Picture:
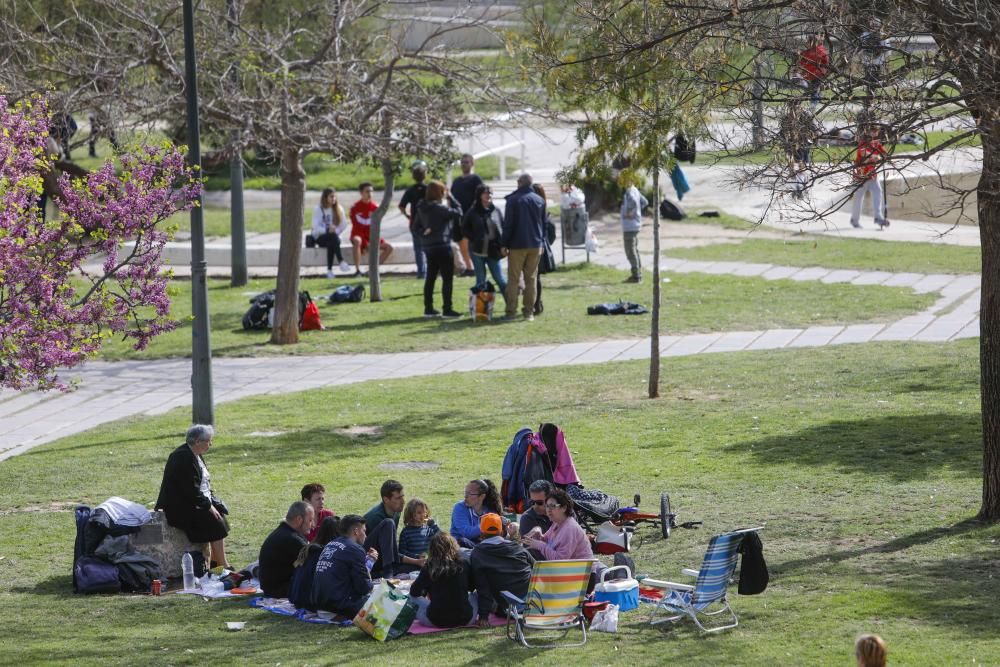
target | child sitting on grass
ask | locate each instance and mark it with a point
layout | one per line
(416, 535)
(442, 591)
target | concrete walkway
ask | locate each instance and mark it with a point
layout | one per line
(111, 391)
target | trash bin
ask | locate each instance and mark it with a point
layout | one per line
(574, 226)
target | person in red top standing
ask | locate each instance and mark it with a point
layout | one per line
(361, 225)
(866, 161)
(814, 64)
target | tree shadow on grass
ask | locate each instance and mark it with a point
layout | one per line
(902, 447)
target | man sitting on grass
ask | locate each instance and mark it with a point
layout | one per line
(315, 495)
(343, 581)
(281, 548)
(381, 523)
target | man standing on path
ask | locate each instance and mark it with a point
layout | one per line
(463, 189)
(281, 548)
(361, 227)
(521, 243)
(632, 204)
(412, 199)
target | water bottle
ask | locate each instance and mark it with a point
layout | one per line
(187, 566)
(369, 562)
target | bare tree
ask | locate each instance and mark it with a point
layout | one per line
(340, 77)
(910, 68)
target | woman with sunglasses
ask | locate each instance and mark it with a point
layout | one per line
(565, 539)
(482, 225)
(481, 497)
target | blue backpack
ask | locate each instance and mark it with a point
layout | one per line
(90, 573)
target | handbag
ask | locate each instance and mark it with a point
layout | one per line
(387, 614)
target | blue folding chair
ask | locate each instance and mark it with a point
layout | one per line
(707, 598)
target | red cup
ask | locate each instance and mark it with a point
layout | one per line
(591, 608)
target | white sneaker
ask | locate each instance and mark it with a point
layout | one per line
(330, 275)
(344, 267)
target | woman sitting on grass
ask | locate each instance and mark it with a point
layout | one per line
(447, 580)
(416, 535)
(300, 587)
(564, 539)
(481, 497)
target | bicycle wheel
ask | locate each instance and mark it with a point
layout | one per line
(665, 515)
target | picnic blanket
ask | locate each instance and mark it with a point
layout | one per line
(250, 587)
(420, 629)
(282, 607)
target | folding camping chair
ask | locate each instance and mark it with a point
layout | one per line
(554, 603)
(709, 591)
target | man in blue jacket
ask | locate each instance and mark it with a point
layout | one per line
(521, 243)
(343, 581)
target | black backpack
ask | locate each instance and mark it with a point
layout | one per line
(671, 211)
(260, 307)
(684, 150)
(348, 294)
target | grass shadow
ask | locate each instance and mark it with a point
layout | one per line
(902, 447)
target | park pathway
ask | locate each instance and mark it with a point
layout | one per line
(111, 391)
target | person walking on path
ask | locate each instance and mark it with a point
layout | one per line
(632, 204)
(463, 189)
(328, 226)
(436, 225)
(866, 161)
(521, 243)
(413, 199)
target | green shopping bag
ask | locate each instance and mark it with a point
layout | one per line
(387, 614)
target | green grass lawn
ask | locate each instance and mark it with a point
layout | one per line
(691, 303)
(863, 461)
(837, 253)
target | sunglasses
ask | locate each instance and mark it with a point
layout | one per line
(537, 502)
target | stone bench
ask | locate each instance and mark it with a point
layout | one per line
(220, 254)
(166, 545)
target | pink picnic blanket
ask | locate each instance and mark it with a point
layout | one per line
(419, 628)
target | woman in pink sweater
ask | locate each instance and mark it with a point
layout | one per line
(565, 539)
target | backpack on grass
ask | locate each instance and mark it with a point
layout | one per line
(348, 294)
(261, 312)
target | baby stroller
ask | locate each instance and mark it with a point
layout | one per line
(544, 455)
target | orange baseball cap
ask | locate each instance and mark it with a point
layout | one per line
(490, 525)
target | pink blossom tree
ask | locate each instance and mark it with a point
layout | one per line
(91, 272)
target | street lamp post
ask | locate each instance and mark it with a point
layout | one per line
(201, 345)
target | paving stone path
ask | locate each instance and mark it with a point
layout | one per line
(110, 391)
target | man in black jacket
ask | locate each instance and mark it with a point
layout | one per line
(498, 565)
(282, 547)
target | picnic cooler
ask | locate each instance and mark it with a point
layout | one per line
(621, 592)
(387, 614)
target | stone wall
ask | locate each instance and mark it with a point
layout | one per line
(166, 545)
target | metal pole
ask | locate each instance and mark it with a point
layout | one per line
(237, 222)
(757, 90)
(201, 348)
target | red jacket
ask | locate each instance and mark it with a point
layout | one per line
(814, 62)
(870, 152)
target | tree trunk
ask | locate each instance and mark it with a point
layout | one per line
(374, 280)
(286, 301)
(654, 327)
(989, 321)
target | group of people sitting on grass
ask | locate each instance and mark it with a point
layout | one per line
(323, 562)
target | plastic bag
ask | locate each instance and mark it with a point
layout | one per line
(591, 242)
(605, 620)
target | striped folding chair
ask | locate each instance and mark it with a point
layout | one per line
(707, 598)
(553, 605)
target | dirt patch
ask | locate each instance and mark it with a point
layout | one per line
(360, 431)
(410, 465)
(54, 506)
(266, 434)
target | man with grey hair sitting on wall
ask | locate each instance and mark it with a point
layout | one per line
(282, 547)
(186, 494)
